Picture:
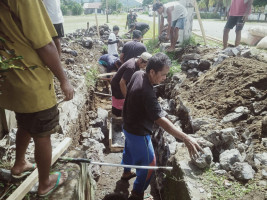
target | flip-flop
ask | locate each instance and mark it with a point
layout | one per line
(56, 185)
(148, 197)
(25, 173)
(128, 177)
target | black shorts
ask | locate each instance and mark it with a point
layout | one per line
(60, 30)
(235, 21)
(40, 124)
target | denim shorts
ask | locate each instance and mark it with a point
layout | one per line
(179, 23)
(40, 124)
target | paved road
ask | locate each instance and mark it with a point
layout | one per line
(213, 28)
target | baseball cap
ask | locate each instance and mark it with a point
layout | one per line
(137, 34)
(145, 56)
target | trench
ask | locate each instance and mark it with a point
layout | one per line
(164, 183)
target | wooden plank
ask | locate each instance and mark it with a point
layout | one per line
(106, 74)
(114, 148)
(212, 38)
(97, 25)
(28, 183)
(103, 94)
(200, 22)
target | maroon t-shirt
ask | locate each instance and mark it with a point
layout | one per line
(125, 71)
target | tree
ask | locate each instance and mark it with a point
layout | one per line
(259, 3)
(113, 5)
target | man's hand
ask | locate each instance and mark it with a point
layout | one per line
(167, 37)
(245, 18)
(193, 147)
(67, 90)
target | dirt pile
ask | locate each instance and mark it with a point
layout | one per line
(226, 87)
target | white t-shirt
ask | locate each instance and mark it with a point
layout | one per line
(179, 11)
(112, 48)
(54, 11)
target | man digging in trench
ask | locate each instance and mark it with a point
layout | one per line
(141, 109)
(26, 28)
(122, 78)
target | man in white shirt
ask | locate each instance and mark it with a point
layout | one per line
(176, 15)
(55, 14)
(113, 42)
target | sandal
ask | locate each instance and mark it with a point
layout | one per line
(56, 185)
(25, 173)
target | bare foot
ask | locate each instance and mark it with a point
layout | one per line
(170, 49)
(52, 182)
(18, 168)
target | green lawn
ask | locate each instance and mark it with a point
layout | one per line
(72, 23)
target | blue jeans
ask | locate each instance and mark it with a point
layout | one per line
(139, 150)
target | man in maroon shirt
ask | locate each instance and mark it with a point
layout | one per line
(122, 78)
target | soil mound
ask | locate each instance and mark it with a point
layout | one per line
(235, 82)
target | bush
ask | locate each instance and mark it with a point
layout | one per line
(208, 15)
(69, 6)
(152, 46)
(190, 41)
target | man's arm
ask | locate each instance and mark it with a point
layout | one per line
(123, 87)
(161, 24)
(50, 57)
(122, 57)
(110, 41)
(192, 146)
(249, 4)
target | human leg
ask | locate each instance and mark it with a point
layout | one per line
(231, 22)
(174, 38)
(239, 26)
(147, 158)
(225, 37)
(22, 141)
(237, 38)
(43, 156)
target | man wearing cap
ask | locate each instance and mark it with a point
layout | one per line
(141, 109)
(176, 15)
(141, 26)
(122, 78)
(133, 48)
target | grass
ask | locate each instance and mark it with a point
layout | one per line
(91, 76)
(219, 190)
(72, 23)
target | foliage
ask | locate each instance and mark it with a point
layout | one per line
(91, 76)
(176, 67)
(208, 15)
(113, 5)
(259, 3)
(69, 6)
(190, 41)
(152, 46)
(7, 64)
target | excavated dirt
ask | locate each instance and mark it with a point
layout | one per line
(224, 88)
